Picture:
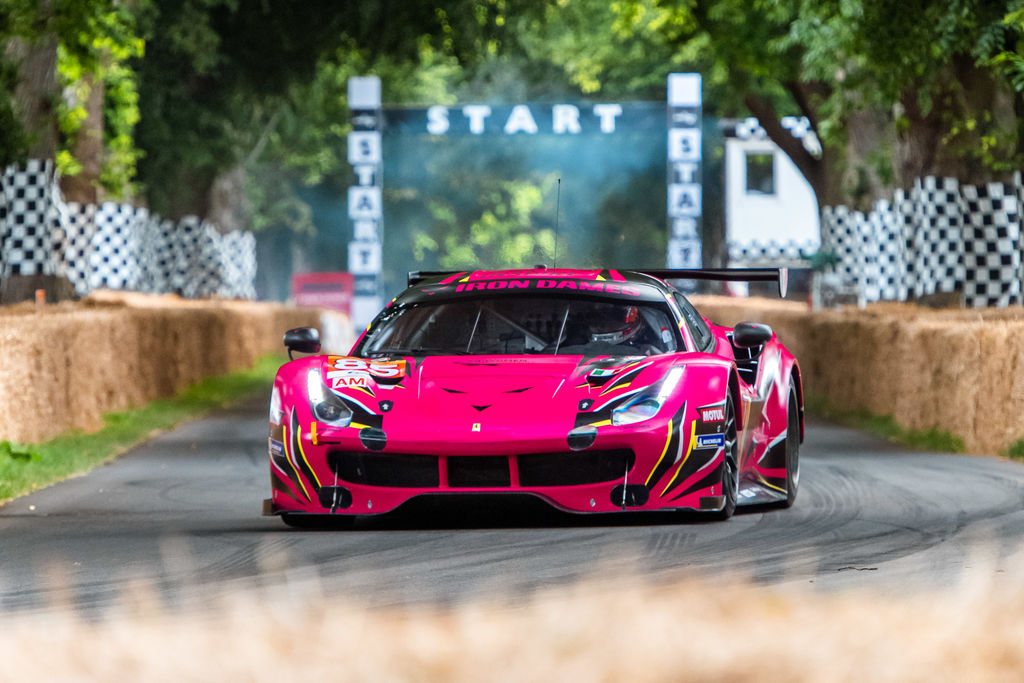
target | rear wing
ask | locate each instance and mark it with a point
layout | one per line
(780, 275)
(417, 276)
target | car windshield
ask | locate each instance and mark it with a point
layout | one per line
(524, 324)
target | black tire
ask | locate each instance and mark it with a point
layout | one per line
(792, 447)
(730, 469)
(325, 522)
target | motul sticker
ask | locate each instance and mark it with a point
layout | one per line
(711, 441)
(714, 414)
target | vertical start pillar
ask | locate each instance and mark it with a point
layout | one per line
(684, 171)
(365, 201)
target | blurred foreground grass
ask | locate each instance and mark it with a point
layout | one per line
(716, 629)
(25, 467)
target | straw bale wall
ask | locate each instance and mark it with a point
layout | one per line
(65, 366)
(959, 371)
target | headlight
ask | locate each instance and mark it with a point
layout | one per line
(642, 409)
(326, 407)
(276, 414)
(646, 405)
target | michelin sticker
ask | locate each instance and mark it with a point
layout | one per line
(710, 440)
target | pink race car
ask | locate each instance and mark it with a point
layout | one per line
(594, 390)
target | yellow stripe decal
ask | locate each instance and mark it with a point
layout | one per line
(764, 482)
(689, 449)
(302, 452)
(614, 387)
(286, 454)
(668, 440)
(602, 423)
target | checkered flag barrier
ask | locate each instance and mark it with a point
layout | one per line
(938, 237)
(238, 261)
(31, 222)
(840, 235)
(114, 262)
(800, 127)
(869, 250)
(992, 256)
(76, 252)
(890, 266)
(115, 246)
(753, 253)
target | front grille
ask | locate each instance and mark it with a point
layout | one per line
(574, 469)
(385, 469)
(479, 471)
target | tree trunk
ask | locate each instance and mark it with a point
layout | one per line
(84, 187)
(822, 171)
(36, 91)
(229, 205)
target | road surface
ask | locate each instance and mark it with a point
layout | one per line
(180, 514)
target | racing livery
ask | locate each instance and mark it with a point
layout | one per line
(594, 390)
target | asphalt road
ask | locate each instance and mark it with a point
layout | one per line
(181, 515)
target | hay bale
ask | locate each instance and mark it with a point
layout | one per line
(69, 364)
(952, 370)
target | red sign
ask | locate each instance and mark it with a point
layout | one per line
(323, 290)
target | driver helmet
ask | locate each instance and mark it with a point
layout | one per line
(616, 325)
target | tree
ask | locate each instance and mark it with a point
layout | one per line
(67, 93)
(226, 86)
(892, 89)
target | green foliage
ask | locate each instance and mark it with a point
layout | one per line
(98, 40)
(305, 138)
(1016, 450)
(502, 236)
(823, 260)
(95, 40)
(885, 426)
(15, 451)
(935, 61)
(24, 468)
(13, 140)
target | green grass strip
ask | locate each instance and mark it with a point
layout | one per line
(1015, 451)
(885, 426)
(26, 467)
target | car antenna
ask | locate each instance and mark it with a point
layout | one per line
(558, 206)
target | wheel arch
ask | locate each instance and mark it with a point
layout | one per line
(798, 381)
(734, 393)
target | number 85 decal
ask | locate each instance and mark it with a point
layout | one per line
(390, 369)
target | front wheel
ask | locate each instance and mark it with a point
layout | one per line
(730, 466)
(792, 447)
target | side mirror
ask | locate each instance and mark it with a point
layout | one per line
(303, 340)
(748, 335)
